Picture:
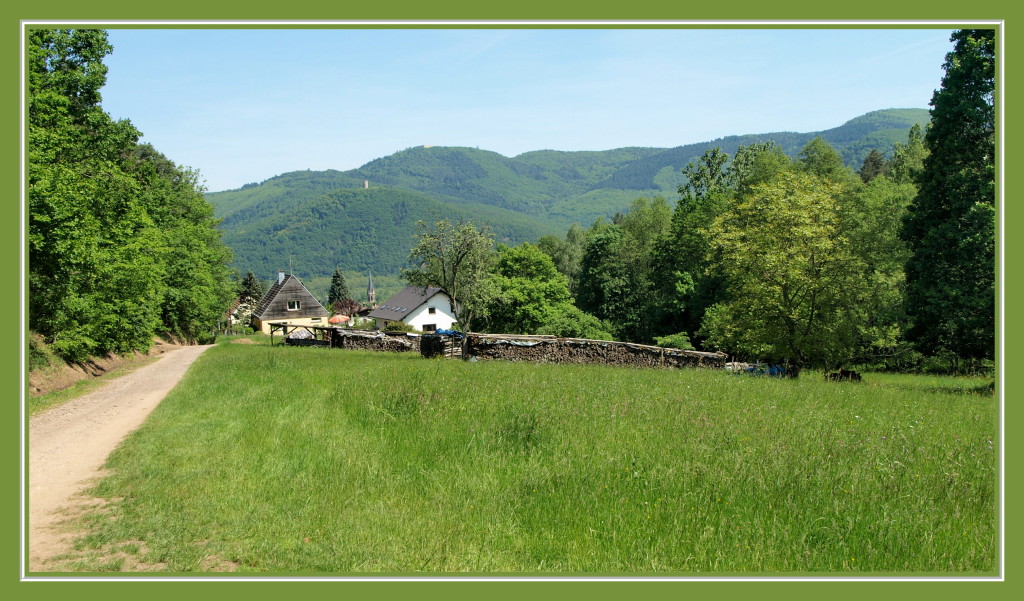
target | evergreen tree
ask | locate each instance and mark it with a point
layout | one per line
(251, 289)
(950, 227)
(873, 166)
(339, 289)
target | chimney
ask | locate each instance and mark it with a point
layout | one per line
(280, 277)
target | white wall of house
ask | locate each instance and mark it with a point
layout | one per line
(442, 317)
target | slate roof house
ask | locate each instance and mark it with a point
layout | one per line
(288, 301)
(426, 309)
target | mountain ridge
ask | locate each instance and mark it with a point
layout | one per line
(533, 193)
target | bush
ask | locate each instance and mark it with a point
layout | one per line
(678, 341)
(568, 321)
(399, 326)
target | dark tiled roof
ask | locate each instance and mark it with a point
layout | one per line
(399, 306)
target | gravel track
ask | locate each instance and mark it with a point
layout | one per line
(69, 444)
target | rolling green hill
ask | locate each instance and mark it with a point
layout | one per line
(351, 228)
(326, 219)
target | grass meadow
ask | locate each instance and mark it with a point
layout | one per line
(315, 461)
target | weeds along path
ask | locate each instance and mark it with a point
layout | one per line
(69, 444)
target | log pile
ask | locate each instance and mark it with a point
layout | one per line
(433, 345)
(550, 349)
(373, 341)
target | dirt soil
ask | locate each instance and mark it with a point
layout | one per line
(69, 444)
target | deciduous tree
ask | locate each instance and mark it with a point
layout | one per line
(789, 273)
(458, 258)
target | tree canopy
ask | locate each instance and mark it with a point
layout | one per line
(458, 258)
(122, 244)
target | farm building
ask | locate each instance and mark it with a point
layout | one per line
(288, 301)
(426, 309)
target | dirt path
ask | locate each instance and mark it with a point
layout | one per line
(69, 444)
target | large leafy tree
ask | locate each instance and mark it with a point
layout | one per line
(457, 257)
(533, 298)
(94, 272)
(790, 274)
(566, 253)
(617, 270)
(908, 159)
(122, 244)
(950, 227)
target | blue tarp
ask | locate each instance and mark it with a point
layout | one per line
(454, 333)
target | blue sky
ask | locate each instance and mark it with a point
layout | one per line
(244, 105)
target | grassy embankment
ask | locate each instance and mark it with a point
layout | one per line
(328, 461)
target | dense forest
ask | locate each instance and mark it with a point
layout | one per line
(122, 243)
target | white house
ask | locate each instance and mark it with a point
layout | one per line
(426, 309)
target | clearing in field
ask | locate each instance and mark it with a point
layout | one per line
(309, 461)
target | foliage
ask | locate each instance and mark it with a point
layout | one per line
(399, 326)
(678, 341)
(908, 159)
(534, 298)
(567, 253)
(874, 165)
(617, 271)
(251, 288)
(339, 290)
(458, 258)
(121, 242)
(790, 275)
(950, 227)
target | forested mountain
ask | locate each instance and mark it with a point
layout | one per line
(354, 229)
(324, 219)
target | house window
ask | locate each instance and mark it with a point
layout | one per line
(431, 310)
(429, 327)
(294, 305)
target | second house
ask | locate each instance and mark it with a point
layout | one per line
(425, 309)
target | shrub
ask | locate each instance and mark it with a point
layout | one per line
(680, 341)
(399, 326)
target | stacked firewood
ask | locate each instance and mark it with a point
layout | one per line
(373, 341)
(549, 349)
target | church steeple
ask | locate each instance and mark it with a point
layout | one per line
(371, 294)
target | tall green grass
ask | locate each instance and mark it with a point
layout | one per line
(304, 460)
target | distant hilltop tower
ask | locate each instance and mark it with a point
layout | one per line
(366, 184)
(371, 294)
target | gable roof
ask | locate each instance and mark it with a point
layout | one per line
(274, 304)
(401, 305)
